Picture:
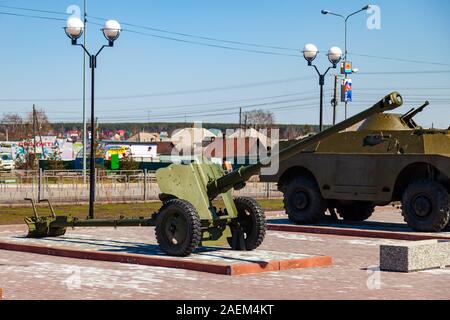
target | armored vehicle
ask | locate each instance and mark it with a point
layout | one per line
(389, 158)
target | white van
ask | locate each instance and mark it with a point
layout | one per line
(6, 162)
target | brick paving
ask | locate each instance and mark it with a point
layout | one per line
(353, 274)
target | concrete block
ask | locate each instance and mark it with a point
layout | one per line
(415, 256)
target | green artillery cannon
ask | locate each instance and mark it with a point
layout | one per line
(188, 218)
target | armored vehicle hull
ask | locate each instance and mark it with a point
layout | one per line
(389, 158)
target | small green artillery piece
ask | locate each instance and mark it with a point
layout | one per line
(188, 218)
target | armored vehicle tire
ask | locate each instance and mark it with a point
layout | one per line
(252, 223)
(425, 206)
(303, 201)
(178, 228)
(355, 211)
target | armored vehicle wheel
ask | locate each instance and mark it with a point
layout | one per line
(178, 228)
(425, 206)
(250, 229)
(303, 202)
(355, 211)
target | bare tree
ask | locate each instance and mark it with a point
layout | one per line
(260, 118)
(293, 132)
(14, 123)
(44, 124)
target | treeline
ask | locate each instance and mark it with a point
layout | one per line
(286, 131)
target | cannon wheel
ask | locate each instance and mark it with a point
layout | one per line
(355, 211)
(303, 201)
(178, 228)
(250, 229)
(425, 206)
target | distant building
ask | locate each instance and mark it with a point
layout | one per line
(191, 137)
(73, 135)
(145, 137)
(235, 150)
(248, 133)
(140, 151)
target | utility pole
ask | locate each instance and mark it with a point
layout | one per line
(96, 128)
(334, 102)
(240, 118)
(345, 19)
(37, 129)
(34, 133)
(84, 98)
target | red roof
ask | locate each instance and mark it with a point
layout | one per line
(234, 147)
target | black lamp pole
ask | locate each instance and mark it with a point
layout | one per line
(321, 84)
(93, 66)
(74, 30)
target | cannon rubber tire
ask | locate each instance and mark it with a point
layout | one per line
(437, 198)
(356, 211)
(316, 206)
(252, 220)
(188, 227)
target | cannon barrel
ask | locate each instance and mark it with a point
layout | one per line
(240, 176)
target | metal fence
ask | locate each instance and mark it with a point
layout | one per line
(69, 186)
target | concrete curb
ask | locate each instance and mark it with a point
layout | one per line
(167, 262)
(415, 256)
(355, 232)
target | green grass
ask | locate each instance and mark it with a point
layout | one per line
(15, 215)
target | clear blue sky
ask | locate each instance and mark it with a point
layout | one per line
(38, 63)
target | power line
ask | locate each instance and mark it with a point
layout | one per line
(203, 37)
(242, 43)
(190, 116)
(222, 88)
(399, 59)
(206, 44)
(256, 45)
(405, 72)
(197, 111)
(170, 93)
(217, 103)
(30, 16)
(33, 10)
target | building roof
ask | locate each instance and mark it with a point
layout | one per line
(191, 133)
(145, 137)
(188, 138)
(234, 147)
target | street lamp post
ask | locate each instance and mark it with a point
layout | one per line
(345, 18)
(310, 52)
(74, 29)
